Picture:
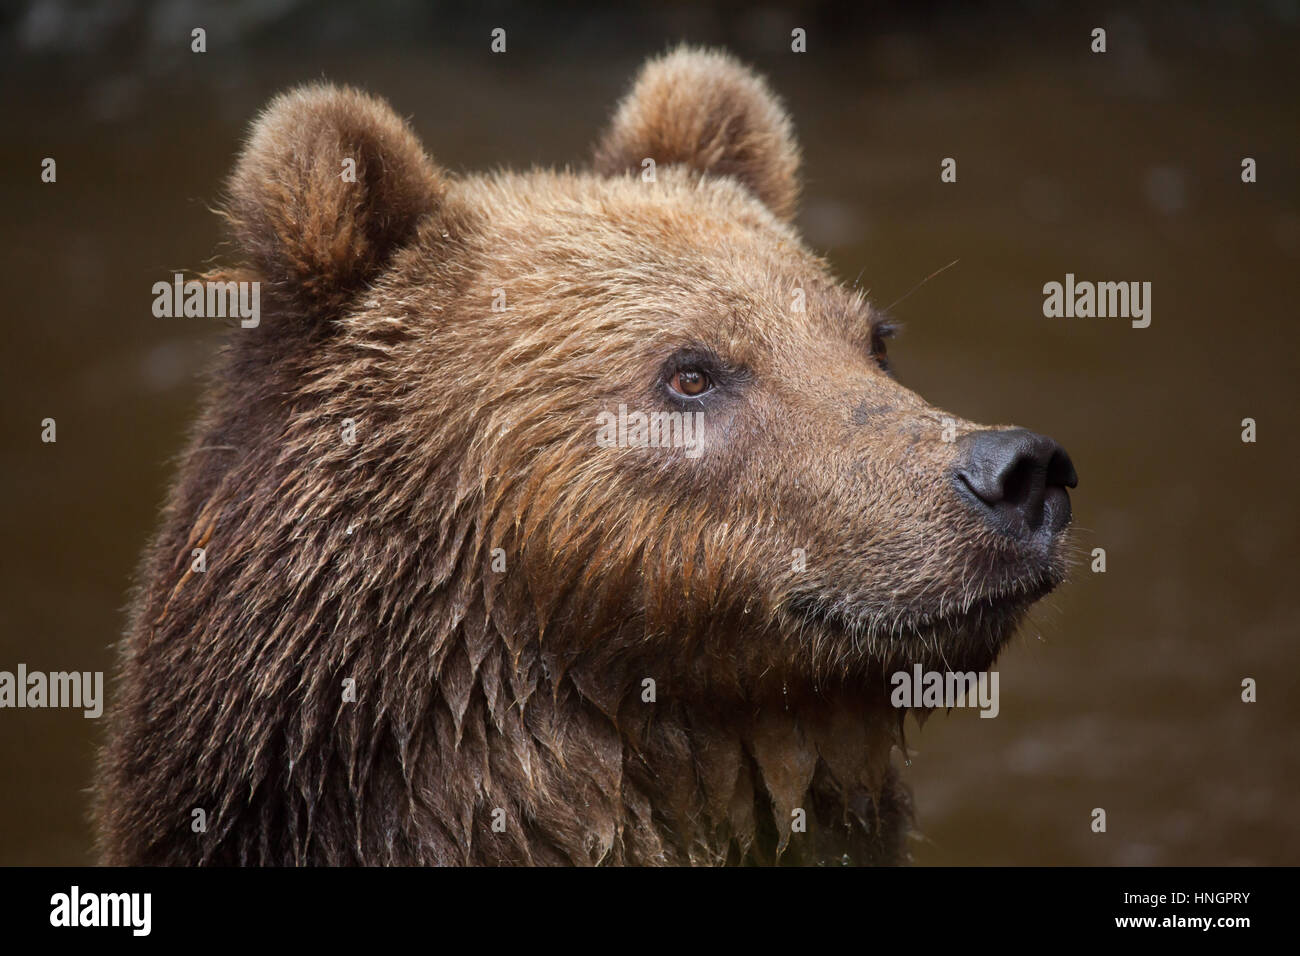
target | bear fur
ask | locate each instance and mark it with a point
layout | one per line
(498, 590)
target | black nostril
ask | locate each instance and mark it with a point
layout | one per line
(1060, 470)
(1018, 479)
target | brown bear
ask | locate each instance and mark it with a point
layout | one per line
(555, 517)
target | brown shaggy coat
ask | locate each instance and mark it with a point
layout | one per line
(497, 588)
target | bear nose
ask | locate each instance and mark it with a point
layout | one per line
(1018, 480)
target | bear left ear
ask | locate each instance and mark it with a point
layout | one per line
(705, 110)
(330, 184)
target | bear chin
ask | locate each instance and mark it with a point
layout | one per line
(873, 642)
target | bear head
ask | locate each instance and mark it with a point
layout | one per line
(596, 484)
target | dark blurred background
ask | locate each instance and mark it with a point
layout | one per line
(1124, 690)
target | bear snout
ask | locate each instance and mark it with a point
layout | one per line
(1017, 480)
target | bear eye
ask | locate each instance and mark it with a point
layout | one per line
(690, 382)
(879, 352)
(881, 330)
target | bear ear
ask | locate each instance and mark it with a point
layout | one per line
(704, 109)
(330, 184)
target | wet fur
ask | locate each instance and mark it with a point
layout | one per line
(521, 691)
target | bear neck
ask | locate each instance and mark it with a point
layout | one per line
(589, 764)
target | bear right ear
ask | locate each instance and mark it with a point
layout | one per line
(705, 110)
(330, 184)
